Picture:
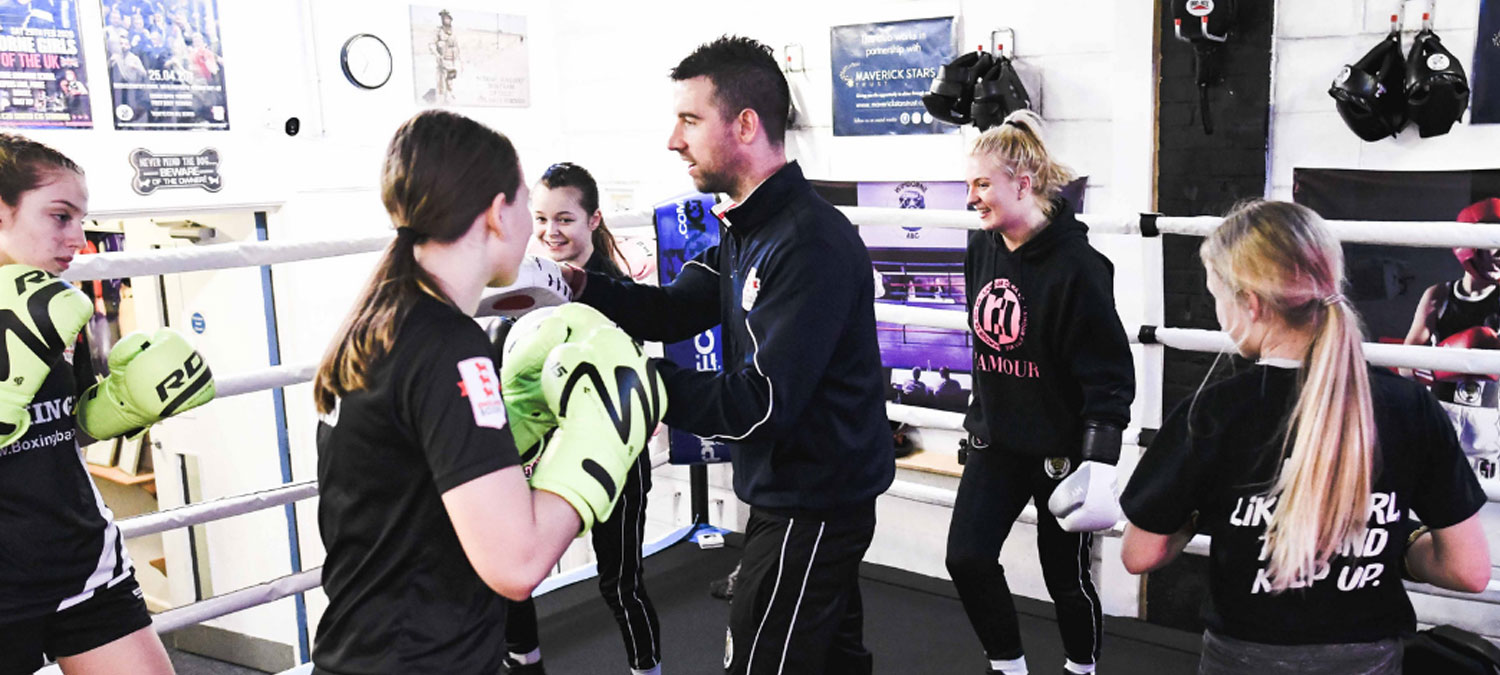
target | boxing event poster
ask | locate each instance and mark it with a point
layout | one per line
(1486, 75)
(1386, 282)
(685, 227)
(921, 267)
(166, 65)
(43, 82)
(881, 70)
(467, 58)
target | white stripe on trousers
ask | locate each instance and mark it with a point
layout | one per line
(800, 594)
(631, 526)
(1085, 541)
(780, 566)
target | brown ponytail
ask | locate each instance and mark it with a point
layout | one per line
(441, 171)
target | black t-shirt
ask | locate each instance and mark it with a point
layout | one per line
(58, 542)
(1222, 464)
(402, 596)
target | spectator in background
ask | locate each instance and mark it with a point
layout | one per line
(913, 391)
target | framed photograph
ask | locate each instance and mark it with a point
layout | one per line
(131, 450)
(102, 453)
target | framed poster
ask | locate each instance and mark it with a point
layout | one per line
(166, 65)
(468, 58)
(881, 70)
(43, 82)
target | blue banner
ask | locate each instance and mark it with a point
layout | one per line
(881, 70)
(685, 227)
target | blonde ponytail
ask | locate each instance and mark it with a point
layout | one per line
(1018, 144)
(1284, 255)
(1323, 492)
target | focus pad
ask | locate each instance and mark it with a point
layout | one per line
(998, 93)
(952, 91)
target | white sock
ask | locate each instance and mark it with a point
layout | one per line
(654, 670)
(1079, 668)
(533, 656)
(1011, 667)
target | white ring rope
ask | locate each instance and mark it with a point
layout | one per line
(203, 512)
(234, 601)
(255, 253)
(306, 580)
(119, 265)
(258, 253)
(284, 375)
(1199, 545)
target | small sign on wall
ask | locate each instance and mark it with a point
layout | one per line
(881, 70)
(153, 171)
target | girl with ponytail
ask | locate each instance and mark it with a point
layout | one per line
(1053, 382)
(1303, 469)
(424, 510)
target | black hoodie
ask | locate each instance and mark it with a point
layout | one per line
(1049, 350)
(800, 401)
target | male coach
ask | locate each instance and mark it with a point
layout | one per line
(800, 399)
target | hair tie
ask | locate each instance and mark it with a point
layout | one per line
(409, 234)
(1334, 299)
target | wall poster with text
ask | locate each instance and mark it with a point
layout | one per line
(1426, 296)
(921, 267)
(468, 58)
(881, 70)
(43, 83)
(166, 64)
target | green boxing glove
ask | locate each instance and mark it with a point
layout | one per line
(150, 379)
(608, 398)
(40, 316)
(526, 349)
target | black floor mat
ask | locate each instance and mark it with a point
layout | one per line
(913, 625)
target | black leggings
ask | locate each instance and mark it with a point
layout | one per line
(617, 546)
(994, 489)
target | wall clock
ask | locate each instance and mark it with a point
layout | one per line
(366, 61)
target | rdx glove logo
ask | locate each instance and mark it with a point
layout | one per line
(48, 342)
(193, 375)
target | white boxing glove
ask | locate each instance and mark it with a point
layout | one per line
(1088, 499)
(539, 283)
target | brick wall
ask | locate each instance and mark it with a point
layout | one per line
(1201, 174)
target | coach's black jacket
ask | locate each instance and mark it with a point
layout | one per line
(1049, 350)
(800, 399)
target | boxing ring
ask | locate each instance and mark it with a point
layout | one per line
(1152, 337)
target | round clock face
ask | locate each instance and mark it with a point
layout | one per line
(366, 61)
